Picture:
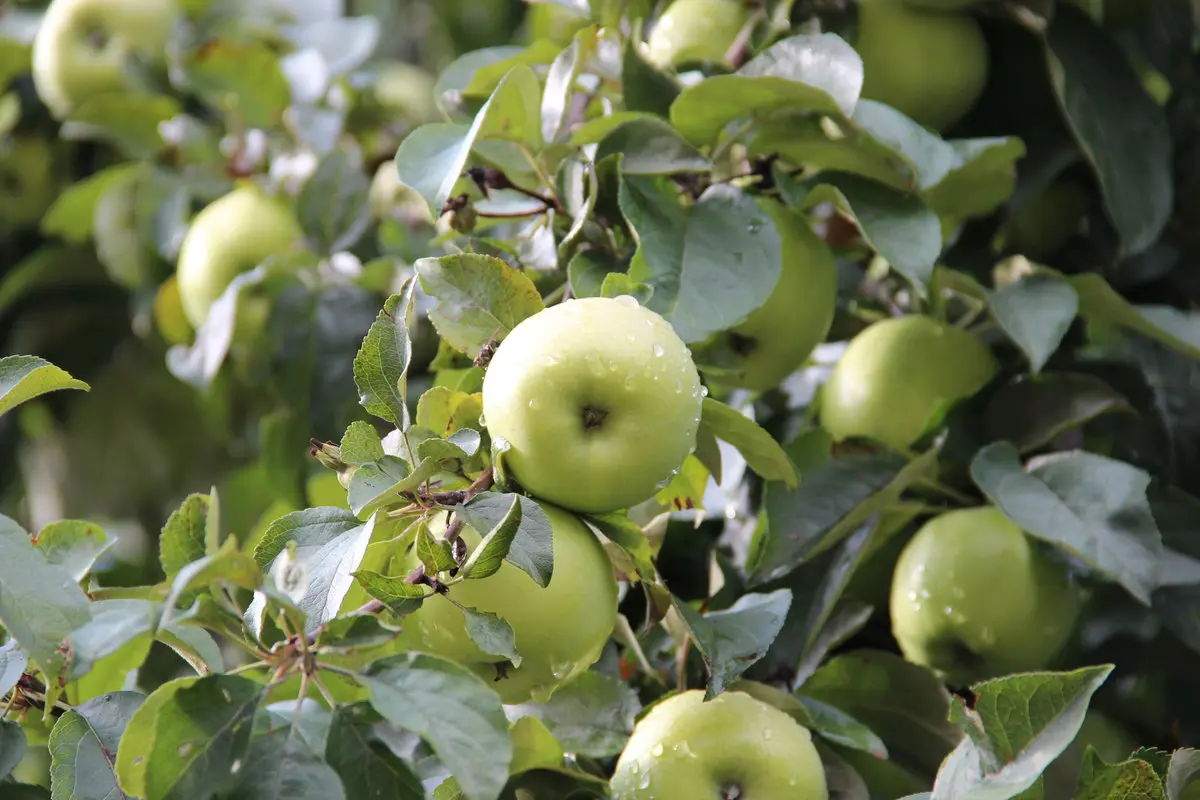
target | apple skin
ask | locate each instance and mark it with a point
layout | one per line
(86, 48)
(696, 30)
(1041, 226)
(687, 748)
(560, 630)
(231, 235)
(599, 400)
(898, 375)
(930, 65)
(973, 598)
(28, 181)
(774, 341)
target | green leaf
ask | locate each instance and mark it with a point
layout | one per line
(534, 747)
(361, 444)
(650, 146)
(491, 634)
(561, 82)
(1122, 132)
(182, 538)
(1183, 771)
(367, 767)
(373, 485)
(114, 624)
(927, 158)
(72, 214)
(13, 747)
(591, 714)
(187, 736)
(532, 548)
(434, 553)
(645, 87)
(73, 544)
(83, 747)
(1134, 779)
(1036, 313)
(1031, 412)
(128, 120)
(400, 596)
(709, 266)
(333, 207)
(1089, 505)
(831, 723)
(489, 554)
(242, 77)
(227, 566)
(1099, 302)
(734, 639)
(904, 704)
(381, 365)
(311, 530)
(832, 500)
(762, 453)
(480, 298)
(815, 73)
(984, 179)
(1019, 725)
(618, 528)
(13, 663)
(41, 603)
(23, 378)
(450, 708)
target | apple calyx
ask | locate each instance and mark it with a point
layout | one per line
(593, 418)
(731, 792)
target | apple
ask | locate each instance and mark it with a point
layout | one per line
(777, 337)
(553, 22)
(599, 401)
(407, 88)
(975, 597)
(85, 48)
(930, 65)
(898, 377)
(231, 235)
(696, 30)
(1041, 226)
(560, 630)
(732, 746)
(28, 181)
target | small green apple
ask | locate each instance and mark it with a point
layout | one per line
(598, 399)
(696, 30)
(974, 597)
(231, 235)
(898, 377)
(1041, 226)
(930, 65)
(28, 182)
(85, 48)
(560, 630)
(777, 337)
(732, 746)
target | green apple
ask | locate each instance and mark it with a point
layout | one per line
(169, 316)
(930, 65)
(943, 5)
(696, 30)
(774, 341)
(407, 88)
(560, 630)
(231, 235)
(85, 48)
(553, 22)
(974, 597)
(732, 746)
(1040, 227)
(599, 401)
(898, 377)
(28, 182)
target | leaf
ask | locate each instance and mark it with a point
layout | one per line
(1184, 771)
(591, 714)
(242, 77)
(40, 603)
(311, 529)
(73, 544)
(381, 365)
(130, 121)
(1031, 412)
(13, 747)
(368, 769)
(285, 768)
(762, 453)
(732, 640)
(360, 444)
(532, 549)
(841, 728)
(434, 553)
(83, 747)
(1122, 132)
(182, 538)
(1035, 312)
(185, 739)
(491, 634)
(560, 83)
(444, 410)
(832, 500)
(534, 747)
(1019, 725)
(13, 663)
(818, 73)
(645, 88)
(710, 266)
(984, 179)
(1133, 779)
(650, 146)
(904, 704)
(618, 528)
(72, 214)
(114, 623)
(479, 298)
(1087, 504)
(489, 554)
(450, 708)
(23, 378)
(333, 206)
(400, 596)
(1098, 301)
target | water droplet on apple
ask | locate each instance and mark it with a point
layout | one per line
(630, 380)
(595, 364)
(658, 350)
(684, 749)
(948, 610)
(482, 419)
(924, 594)
(912, 596)
(657, 750)
(767, 734)
(533, 402)
(704, 391)
(644, 783)
(630, 337)
(635, 767)
(627, 300)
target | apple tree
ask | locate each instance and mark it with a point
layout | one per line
(612, 399)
